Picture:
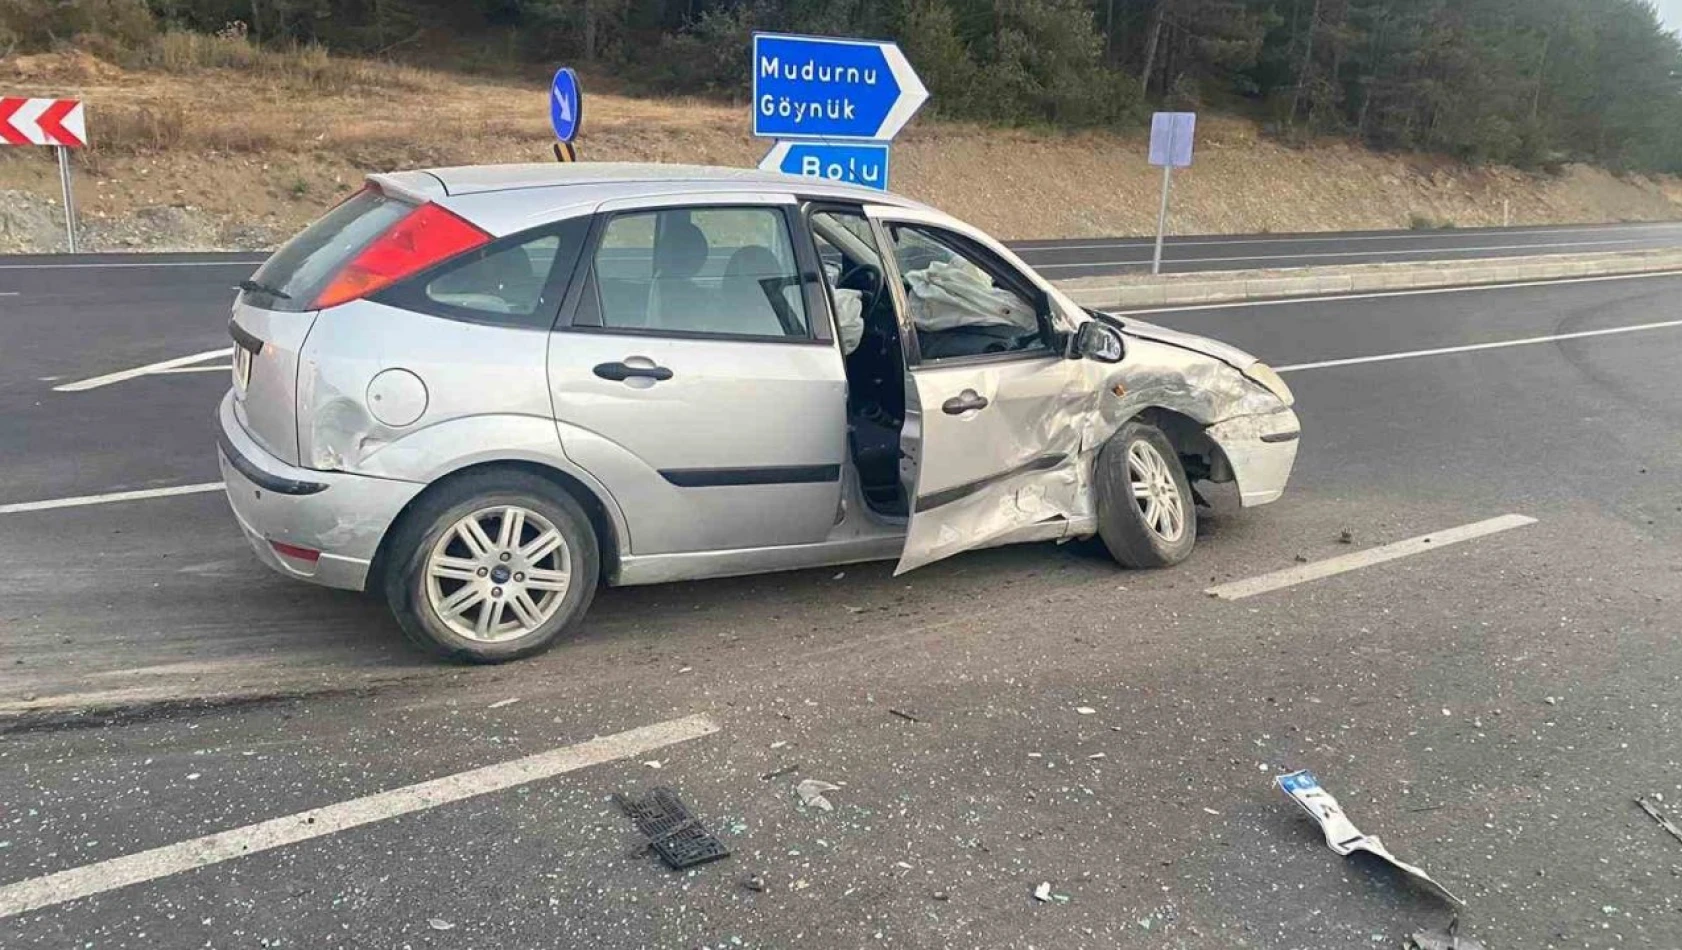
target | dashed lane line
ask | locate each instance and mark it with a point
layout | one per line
(1317, 570)
(83, 385)
(1473, 347)
(143, 866)
(79, 501)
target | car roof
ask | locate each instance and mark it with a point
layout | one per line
(633, 178)
(507, 199)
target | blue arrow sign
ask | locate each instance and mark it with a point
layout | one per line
(855, 163)
(821, 87)
(566, 104)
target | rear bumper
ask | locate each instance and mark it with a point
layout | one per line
(1262, 450)
(342, 516)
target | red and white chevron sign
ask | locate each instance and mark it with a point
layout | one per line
(42, 122)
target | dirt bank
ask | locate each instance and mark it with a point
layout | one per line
(206, 157)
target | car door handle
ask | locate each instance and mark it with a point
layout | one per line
(619, 372)
(964, 402)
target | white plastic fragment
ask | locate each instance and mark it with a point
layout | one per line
(812, 791)
(1341, 834)
(504, 702)
(1086, 711)
(1043, 892)
(439, 923)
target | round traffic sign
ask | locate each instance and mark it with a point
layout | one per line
(566, 104)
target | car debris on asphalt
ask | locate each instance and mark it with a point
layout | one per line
(671, 829)
(439, 923)
(1445, 939)
(1653, 812)
(812, 792)
(1043, 892)
(1341, 834)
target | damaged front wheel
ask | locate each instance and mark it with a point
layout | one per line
(1146, 515)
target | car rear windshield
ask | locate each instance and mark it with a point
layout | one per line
(303, 267)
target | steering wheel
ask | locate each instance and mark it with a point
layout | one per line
(844, 282)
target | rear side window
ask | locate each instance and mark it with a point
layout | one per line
(505, 281)
(514, 281)
(301, 269)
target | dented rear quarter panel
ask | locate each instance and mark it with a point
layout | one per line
(486, 394)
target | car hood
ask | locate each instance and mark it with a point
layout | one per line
(1230, 355)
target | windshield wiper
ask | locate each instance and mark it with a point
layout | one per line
(251, 286)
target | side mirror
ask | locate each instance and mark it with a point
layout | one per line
(1099, 342)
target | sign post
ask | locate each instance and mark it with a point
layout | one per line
(56, 122)
(566, 112)
(69, 199)
(834, 105)
(1171, 140)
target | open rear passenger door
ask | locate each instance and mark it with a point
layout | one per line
(994, 408)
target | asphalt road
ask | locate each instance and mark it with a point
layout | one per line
(1059, 258)
(1491, 709)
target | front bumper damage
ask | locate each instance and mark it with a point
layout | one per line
(342, 516)
(1261, 451)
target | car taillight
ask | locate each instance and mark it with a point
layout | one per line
(429, 235)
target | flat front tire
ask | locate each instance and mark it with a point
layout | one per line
(1146, 513)
(493, 567)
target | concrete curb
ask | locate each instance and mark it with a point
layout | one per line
(1236, 286)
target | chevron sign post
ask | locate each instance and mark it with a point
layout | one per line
(55, 122)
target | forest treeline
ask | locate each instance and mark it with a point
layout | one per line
(1527, 82)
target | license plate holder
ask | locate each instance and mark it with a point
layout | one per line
(242, 368)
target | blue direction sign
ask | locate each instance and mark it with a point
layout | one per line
(826, 88)
(859, 163)
(566, 104)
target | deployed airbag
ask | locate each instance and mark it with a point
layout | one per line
(946, 296)
(849, 319)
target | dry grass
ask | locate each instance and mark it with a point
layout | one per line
(306, 67)
(265, 139)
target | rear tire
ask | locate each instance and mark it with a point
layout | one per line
(1146, 513)
(492, 567)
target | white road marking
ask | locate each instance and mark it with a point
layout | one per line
(9, 293)
(79, 501)
(1377, 294)
(1471, 347)
(126, 264)
(1342, 254)
(1302, 573)
(150, 368)
(218, 368)
(1335, 238)
(143, 866)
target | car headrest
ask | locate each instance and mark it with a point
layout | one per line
(754, 261)
(681, 251)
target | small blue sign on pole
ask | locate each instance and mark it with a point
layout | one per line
(1171, 137)
(566, 104)
(857, 163)
(826, 88)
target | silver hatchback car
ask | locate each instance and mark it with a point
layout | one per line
(484, 391)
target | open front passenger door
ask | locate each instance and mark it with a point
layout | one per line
(993, 406)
